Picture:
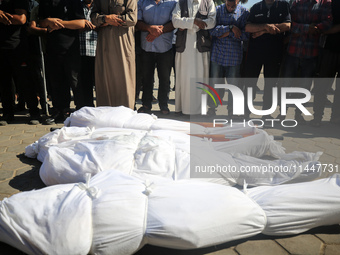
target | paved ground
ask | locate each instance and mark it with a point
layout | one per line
(18, 173)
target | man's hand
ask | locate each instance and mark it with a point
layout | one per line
(114, 20)
(89, 25)
(237, 32)
(54, 24)
(155, 30)
(5, 18)
(150, 38)
(200, 23)
(313, 30)
(258, 34)
(224, 35)
(272, 29)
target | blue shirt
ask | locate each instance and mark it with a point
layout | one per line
(88, 39)
(227, 51)
(156, 14)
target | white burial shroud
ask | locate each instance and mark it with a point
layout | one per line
(144, 146)
(141, 191)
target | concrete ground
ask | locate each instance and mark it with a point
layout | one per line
(18, 173)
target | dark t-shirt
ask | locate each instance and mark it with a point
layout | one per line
(11, 35)
(62, 40)
(268, 44)
(333, 40)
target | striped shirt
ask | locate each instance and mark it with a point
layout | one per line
(227, 51)
(88, 39)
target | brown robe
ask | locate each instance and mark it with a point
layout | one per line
(115, 72)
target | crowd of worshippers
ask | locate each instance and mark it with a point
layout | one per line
(55, 46)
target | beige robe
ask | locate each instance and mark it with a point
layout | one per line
(115, 72)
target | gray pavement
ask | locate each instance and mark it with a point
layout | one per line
(18, 173)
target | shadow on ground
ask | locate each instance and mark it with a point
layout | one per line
(30, 179)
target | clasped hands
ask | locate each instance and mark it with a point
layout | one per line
(269, 28)
(154, 32)
(5, 18)
(113, 20)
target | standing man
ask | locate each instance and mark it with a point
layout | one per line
(309, 20)
(267, 23)
(88, 44)
(13, 60)
(154, 20)
(63, 18)
(193, 18)
(115, 67)
(329, 68)
(227, 52)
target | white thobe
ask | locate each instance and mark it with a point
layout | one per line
(191, 65)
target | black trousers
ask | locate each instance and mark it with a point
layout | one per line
(14, 68)
(63, 71)
(271, 72)
(329, 69)
(163, 62)
(86, 80)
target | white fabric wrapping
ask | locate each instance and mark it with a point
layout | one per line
(256, 145)
(39, 149)
(162, 153)
(100, 117)
(115, 213)
(54, 220)
(191, 214)
(119, 214)
(295, 208)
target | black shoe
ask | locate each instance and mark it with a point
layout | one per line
(48, 121)
(56, 118)
(144, 109)
(165, 111)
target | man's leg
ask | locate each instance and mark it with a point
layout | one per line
(271, 74)
(25, 84)
(6, 88)
(72, 71)
(232, 73)
(252, 72)
(164, 65)
(322, 84)
(60, 89)
(148, 68)
(335, 117)
(87, 79)
(216, 77)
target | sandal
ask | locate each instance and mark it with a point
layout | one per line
(144, 109)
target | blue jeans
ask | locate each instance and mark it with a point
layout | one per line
(231, 73)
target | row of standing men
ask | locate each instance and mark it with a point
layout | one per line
(209, 43)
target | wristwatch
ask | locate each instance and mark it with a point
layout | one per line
(231, 27)
(104, 18)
